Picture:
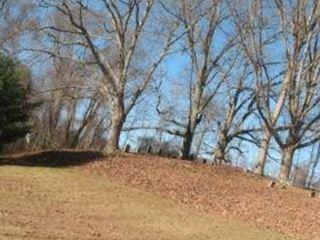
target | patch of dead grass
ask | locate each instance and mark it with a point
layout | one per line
(51, 203)
(222, 191)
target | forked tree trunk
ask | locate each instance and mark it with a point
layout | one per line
(264, 145)
(191, 127)
(117, 121)
(263, 153)
(286, 164)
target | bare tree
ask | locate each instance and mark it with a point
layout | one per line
(298, 30)
(238, 105)
(203, 22)
(70, 104)
(2, 4)
(251, 20)
(313, 164)
(113, 29)
(16, 22)
(300, 35)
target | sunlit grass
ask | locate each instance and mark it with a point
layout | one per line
(48, 203)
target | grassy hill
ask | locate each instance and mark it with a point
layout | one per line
(66, 203)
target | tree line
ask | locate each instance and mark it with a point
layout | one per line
(221, 79)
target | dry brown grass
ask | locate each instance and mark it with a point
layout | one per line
(55, 203)
(222, 191)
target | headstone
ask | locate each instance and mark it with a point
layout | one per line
(128, 147)
(272, 184)
(312, 194)
(149, 150)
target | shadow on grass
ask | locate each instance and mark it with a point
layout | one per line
(63, 158)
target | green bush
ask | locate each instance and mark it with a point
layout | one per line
(15, 108)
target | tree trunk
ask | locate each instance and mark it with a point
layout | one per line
(286, 164)
(187, 143)
(314, 166)
(117, 121)
(263, 152)
(220, 151)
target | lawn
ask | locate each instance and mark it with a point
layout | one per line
(65, 203)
